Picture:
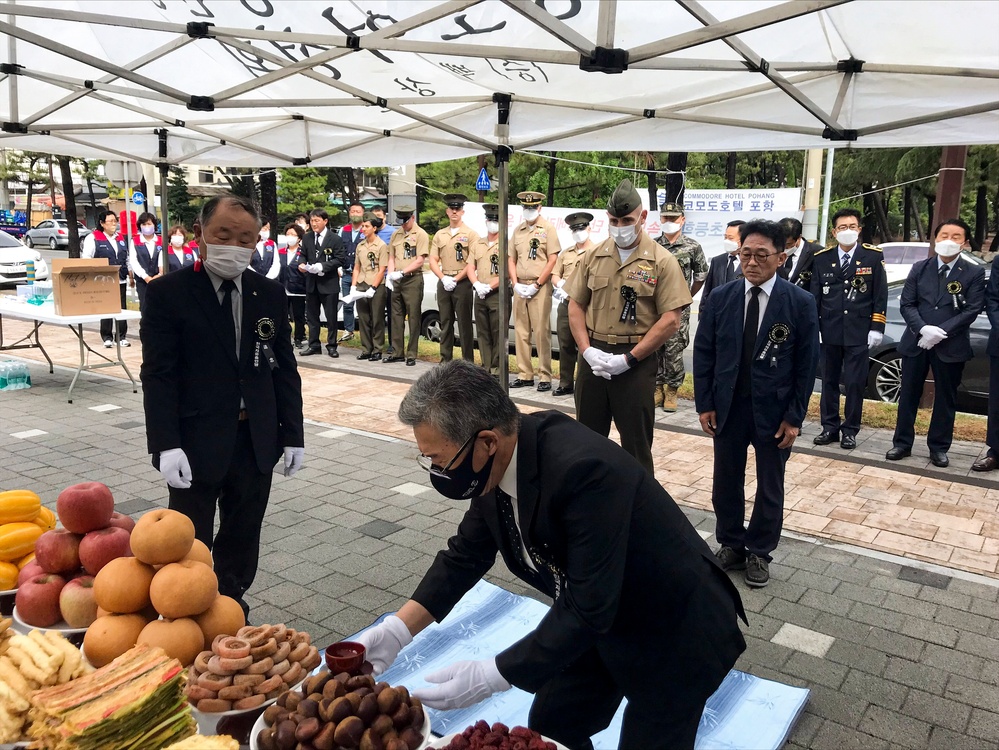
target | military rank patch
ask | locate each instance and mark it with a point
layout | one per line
(643, 273)
(865, 270)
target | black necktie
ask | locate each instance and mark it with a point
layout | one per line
(228, 321)
(944, 270)
(749, 334)
(730, 268)
(846, 265)
(542, 579)
(788, 265)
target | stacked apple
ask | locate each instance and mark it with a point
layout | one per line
(166, 595)
(58, 584)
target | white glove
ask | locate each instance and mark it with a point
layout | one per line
(384, 641)
(370, 292)
(525, 290)
(615, 364)
(175, 468)
(389, 284)
(874, 339)
(597, 361)
(930, 336)
(561, 283)
(395, 276)
(462, 684)
(448, 283)
(559, 295)
(339, 272)
(293, 458)
(482, 289)
(316, 268)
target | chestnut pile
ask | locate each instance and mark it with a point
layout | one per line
(341, 712)
(481, 736)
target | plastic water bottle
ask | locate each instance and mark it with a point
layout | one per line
(14, 376)
(3, 376)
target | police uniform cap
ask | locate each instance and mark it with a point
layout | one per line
(455, 200)
(402, 213)
(579, 220)
(530, 198)
(491, 211)
(671, 209)
(624, 200)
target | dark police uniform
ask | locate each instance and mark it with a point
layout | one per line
(852, 302)
(407, 297)
(622, 301)
(990, 461)
(452, 252)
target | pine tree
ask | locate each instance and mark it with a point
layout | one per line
(299, 190)
(179, 199)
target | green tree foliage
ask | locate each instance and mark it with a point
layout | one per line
(299, 190)
(179, 205)
(30, 168)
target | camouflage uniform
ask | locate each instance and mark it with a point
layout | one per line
(690, 256)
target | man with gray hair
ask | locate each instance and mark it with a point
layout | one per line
(221, 390)
(636, 592)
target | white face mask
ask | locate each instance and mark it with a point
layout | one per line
(847, 237)
(227, 261)
(492, 227)
(177, 240)
(623, 236)
(265, 234)
(730, 246)
(147, 231)
(671, 227)
(580, 236)
(292, 240)
(531, 214)
(947, 248)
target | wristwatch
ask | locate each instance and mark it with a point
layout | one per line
(630, 359)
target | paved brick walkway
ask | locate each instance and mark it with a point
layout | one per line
(898, 651)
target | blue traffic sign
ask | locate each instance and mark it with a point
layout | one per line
(138, 198)
(483, 182)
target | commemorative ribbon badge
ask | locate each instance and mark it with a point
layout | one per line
(857, 284)
(373, 261)
(459, 251)
(408, 251)
(955, 289)
(265, 330)
(533, 253)
(779, 333)
(494, 264)
(629, 311)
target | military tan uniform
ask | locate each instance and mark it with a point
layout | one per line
(566, 264)
(407, 298)
(371, 260)
(485, 259)
(652, 278)
(453, 252)
(690, 256)
(530, 249)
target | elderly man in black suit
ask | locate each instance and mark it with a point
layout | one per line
(755, 354)
(941, 298)
(637, 593)
(725, 267)
(221, 390)
(990, 461)
(324, 257)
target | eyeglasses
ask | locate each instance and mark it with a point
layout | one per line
(855, 227)
(760, 258)
(427, 463)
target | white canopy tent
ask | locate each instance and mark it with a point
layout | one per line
(266, 83)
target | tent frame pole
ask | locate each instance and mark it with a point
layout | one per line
(12, 84)
(502, 153)
(826, 195)
(164, 168)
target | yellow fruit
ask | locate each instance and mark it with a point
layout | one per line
(8, 576)
(46, 519)
(18, 539)
(19, 505)
(25, 560)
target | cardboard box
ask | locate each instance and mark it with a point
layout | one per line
(85, 286)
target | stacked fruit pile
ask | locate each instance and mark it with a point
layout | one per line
(481, 736)
(169, 577)
(58, 583)
(23, 518)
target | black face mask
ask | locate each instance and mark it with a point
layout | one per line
(462, 482)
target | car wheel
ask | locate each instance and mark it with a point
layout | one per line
(885, 379)
(430, 326)
(28, 242)
(52, 243)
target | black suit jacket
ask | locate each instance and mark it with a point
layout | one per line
(783, 373)
(641, 586)
(922, 304)
(332, 255)
(192, 382)
(992, 308)
(717, 274)
(802, 274)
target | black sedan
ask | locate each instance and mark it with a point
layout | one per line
(885, 376)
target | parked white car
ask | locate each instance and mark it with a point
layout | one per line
(13, 261)
(900, 257)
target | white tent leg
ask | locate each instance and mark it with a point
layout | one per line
(503, 177)
(826, 194)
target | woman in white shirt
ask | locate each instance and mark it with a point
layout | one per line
(107, 242)
(144, 255)
(266, 259)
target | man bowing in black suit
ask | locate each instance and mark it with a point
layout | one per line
(638, 596)
(755, 353)
(941, 298)
(324, 256)
(797, 267)
(221, 390)
(725, 267)
(990, 461)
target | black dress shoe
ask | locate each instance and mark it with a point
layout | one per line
(308, 352)
(566, 391)
(849, 442)
(376, 357)
(518, 383)
(334, 353)
(544, 387)
(987, 463)
(825, 437)
(410, 363)
(364, 355)
(299, 344)
(897, 454)
(939, 458)
(389, 360)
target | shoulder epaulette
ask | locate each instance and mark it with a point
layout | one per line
(825, 250)
(875, 248)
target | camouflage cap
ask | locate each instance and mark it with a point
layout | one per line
(455, 200)
(671, 209)
(530, 198)
(624, 200)
(491, 210)
(578, 220)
